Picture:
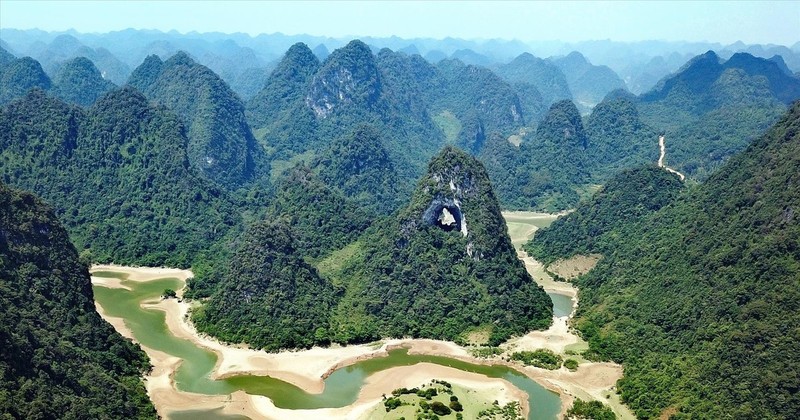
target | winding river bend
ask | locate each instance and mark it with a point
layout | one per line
(192, 364)
(341, 387)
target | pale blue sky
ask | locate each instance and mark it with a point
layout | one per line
(717, 21)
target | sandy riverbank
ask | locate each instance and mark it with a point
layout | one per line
(308, 368)
(591, 381)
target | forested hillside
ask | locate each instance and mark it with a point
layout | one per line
(699, 300)
(626, 199)
(18, 76)
(221, 144)
(78, 81)
(711, 109)
(546, 171)
(119, 176)
(618, 139)
(58, 358)
(268, 296)
(441, 267)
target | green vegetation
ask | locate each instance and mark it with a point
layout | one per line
(485, 352)
(711, 109)
(544, 172)
(117, 175)
(440, 398)
(699, 299)
(360, 167)
(625, 200)
(426, 276)
(541, 358)
(58, 358)
(510, 411)
(592, 410)
(268, 296)
(618, 139)
(221, 144)
(19, 76)
(571, 364)
(322, 220)
(79, 82)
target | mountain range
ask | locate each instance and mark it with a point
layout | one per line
(355, 194)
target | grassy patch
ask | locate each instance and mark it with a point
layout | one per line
(332, 265)
(278, 167)
(438, 397)
(449, 124)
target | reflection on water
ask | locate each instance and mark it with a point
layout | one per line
(341, 387)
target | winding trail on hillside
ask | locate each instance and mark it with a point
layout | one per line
(663, 148)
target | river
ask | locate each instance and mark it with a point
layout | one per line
(342, 386)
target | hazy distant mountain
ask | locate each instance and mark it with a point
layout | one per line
(641, 77)
(321, 51)
(588, 83)
(468, 56)
(5, 57)
(66, 47)
(712, 108)
(548, 79)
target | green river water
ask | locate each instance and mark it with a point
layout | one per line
(341, 387)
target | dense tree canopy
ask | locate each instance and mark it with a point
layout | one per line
(58, 358)
(268, 297)
(699, 299)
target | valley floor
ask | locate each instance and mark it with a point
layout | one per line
(307, 369)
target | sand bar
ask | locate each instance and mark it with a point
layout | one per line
(307, 369)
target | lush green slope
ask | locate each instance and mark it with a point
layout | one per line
(712, 109)
(626, 199)
(58, 358)
(279, 107)
(360, 167)
(322, 219)
(700, 300)
(618, 138)
(221, 144)
(118, 175)
(547, 170)
(269, 297)
(442, 266)
(306, 106)
(483, 102)
(79, 82)
(17, 77)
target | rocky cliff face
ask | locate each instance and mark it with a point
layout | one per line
(348, 76)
